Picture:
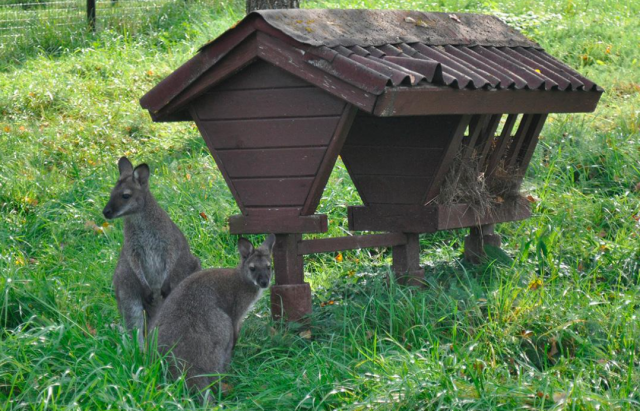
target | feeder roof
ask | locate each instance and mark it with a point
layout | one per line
(371, 57)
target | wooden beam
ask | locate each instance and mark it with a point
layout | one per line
(328, 245)
(277, 223)
(428, 100)
(329, 159)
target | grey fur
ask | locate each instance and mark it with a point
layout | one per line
(200, 321)
(155, 256)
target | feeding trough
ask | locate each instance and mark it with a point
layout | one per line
(404, 97)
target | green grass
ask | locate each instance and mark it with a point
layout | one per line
(555, 328)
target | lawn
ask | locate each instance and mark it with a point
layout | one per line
(552, 326)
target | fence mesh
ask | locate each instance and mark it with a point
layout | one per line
(27, 17)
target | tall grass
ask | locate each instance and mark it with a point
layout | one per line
(552, 326)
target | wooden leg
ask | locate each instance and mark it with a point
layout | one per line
(474, 243)
(290, 296)
(406, 262)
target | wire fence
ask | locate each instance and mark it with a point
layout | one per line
(20, 18)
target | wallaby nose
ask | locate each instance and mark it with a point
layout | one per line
(264, 282)
(107, 212)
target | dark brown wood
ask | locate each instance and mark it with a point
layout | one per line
(462, 215)
(418, 131)
(476, 125)
(399, 161)
(501, 144)
(427, 100)
(406, 262)
(376, 189)
(248, 104)
(240, 57)
(530, 144)
(261, 75)
(447, 157)
(432, 218)
(290, 302)
(209, 139)
(287, 262)
(277, 52)
(483, 145)
(273, 191)
(328, 245)
(267, 133)
(91, 14)
(277, 223)
(478, 238)
(406, 219)
(273, 162)
(518, 139)
(329, 160)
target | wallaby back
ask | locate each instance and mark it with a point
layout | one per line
(201, 320)
(155, 256)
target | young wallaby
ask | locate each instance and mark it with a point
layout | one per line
(200, 321)
(155, 256)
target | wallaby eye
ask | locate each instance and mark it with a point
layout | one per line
(126, 196)
(252, 267)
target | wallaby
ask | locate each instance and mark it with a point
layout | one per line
(155, 256)
(200, 322)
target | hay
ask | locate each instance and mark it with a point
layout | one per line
(466, 183)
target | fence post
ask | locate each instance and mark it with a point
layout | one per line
(91, 14)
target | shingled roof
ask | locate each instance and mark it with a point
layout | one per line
(373, 58)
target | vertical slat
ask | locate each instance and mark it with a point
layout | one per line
(287, 263)
(502, 143)
(517, 141)
(91, 14)
(478, 122)
(447, 158)
(488, 135)
(531, 142)
(329, 159)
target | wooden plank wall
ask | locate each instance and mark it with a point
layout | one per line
(268, 132)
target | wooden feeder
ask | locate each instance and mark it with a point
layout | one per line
(400, 95)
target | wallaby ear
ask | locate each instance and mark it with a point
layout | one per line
(141, 174)
(269, 242)
(245, 247)
(125, 166)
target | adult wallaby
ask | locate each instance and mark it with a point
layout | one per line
(200, 321)
(155, 256)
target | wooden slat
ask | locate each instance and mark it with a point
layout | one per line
(416, 219)
(461, 215)
(208, 138)
(287, 132)
(276, 223)
(483, 145)
(261, 75)
(518, 139)
(501, 144)
(447, 158)
(476, 125)
(280, 54)
(391, 189)
(529, 146)
(273, 162)
(329, 160)
(248, 104)
(427, 100)
(401, 161)
(419, 131)
(328, 245)
(273, 191)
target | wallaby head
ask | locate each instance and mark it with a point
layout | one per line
(130, 192)
(255, 263)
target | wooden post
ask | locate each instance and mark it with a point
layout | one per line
(475, 241)
(406, 261)
(91, 14)
(290, 296)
